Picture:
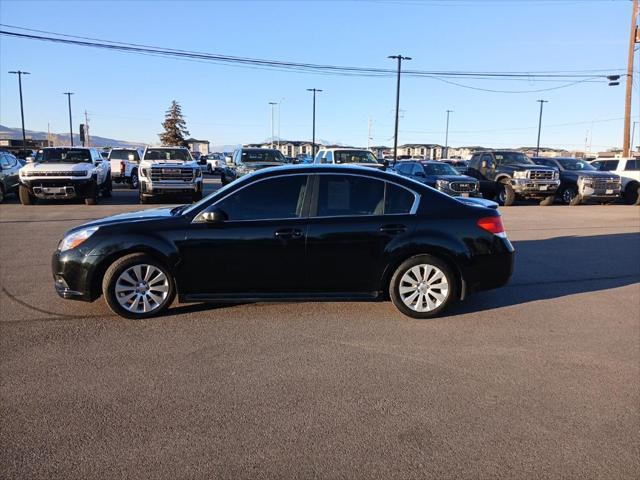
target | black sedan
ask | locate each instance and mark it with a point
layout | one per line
(441, 176)
(296, 233)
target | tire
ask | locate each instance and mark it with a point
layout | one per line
(632, 194)
(134, 183)
(414, 269)
(108, 188)
(568, 194)
(548, 201)
(145, 286)
(197, 195)
(577, 200)
(25, 196)
(209, 169)
(1, 194)
(223, 179)
(144, 199)
(506, 195)
(92, 197)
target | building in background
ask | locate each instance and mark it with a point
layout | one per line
(201, 146)
(429, 151)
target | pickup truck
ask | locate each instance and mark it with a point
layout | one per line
(124, 166)
(65, 173)
(507, 175)
(629, 171)
(171, 171)
(580, 182)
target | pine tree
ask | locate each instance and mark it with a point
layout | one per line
(175, 128)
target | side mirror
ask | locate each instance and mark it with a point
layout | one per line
(30, 159)
(131, 157)
(214, 215)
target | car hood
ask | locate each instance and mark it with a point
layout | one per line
(139, 216)
(575, 174)
(453, 178)
(261, 165)
(58, 167)
(525, 166)
(168, 163)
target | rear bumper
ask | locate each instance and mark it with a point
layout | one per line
(490, 271)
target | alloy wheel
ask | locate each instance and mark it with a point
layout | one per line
(568, 195)
(424, 288)
(142, 288)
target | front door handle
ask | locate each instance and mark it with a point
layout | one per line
(288, 234)
(393, 229)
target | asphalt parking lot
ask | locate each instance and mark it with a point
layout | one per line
(536, 380)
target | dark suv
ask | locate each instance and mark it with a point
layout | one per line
(441, 176)
(579, 181)
(508, 175)
(248, 160)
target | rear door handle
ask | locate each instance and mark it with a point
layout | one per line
(288, 233)
(393, 229)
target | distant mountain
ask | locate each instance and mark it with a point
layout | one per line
(63, 138)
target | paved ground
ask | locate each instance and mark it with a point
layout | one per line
(537, 380)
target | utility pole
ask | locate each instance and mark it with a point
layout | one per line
(313, 141)
(633, 39)
(279, 110)
(633, 134)
(446, 137)
(68, 94)
(395, 134)
(20, 73)
(48, 134)
(273, 104)
(86, 129)
(369, 135)
(542, 102)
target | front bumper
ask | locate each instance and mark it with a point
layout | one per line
(599, 190)
(72, 275)
(534, 188)
(168, 187)
(59, 188)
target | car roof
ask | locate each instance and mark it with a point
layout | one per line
(166, 148)
(69, 147)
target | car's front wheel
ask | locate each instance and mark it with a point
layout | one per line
(135, 181)
(506, 194)
(25, 196)
(422, 287)
(137, 286)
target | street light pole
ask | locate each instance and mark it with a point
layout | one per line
(273, 104)
(446, 137)
(313, 148)
(542, 102)
(395, 135)
(20, 73)
(68, 94)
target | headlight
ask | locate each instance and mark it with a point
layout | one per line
(522, 174)
(442, 183)
(556, 175)
(586, 180)
(76, 239)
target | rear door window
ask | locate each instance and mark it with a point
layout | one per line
(631, 165)
(398, 200)
(349, 195)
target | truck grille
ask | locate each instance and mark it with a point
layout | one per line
(57, 174)
(463, 186)
(171, 174)
(601, 185)
(541, 174)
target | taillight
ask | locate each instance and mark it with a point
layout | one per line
(493, 225)
(123, 168)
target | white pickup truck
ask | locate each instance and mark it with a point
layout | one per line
(169, 171)
(124, 166)
(629, 171)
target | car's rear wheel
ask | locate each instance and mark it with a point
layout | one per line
(632, 194)
(422, 287)
(25, 196)
(1, 194)
(92, 196)
(137, 286)
(108, 188)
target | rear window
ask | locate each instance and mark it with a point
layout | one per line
(397, 200)
(631, 165)
(123, 154)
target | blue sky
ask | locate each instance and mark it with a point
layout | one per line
(126, 95)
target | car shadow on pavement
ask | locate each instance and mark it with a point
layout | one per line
(561, 266)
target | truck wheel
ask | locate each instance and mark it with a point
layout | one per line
(632, 194)
(144, 199)
(25, 196)
(568, 194)
(135, 181)
(506, 195)
(138, 286)
(108, 189)
(209, 170)
(548, 201)
(1, 194)
(92, 196)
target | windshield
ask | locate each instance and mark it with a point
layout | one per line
(439, 169)
(262, 156)
(354, 156)
(179, 154)
(121, 154)
(574, 164)
(506, 158)
(65, 155)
